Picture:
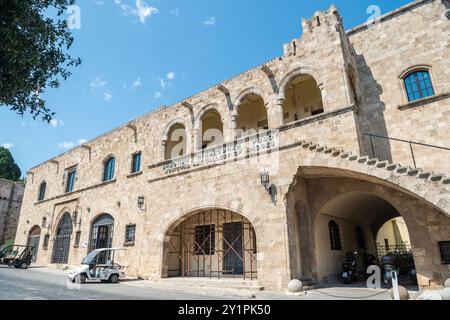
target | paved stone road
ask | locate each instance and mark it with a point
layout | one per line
(38, 283)
(47, 284)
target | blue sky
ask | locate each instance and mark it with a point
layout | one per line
(140, 54)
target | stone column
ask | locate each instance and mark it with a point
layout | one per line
(164, 148)
(279, 120)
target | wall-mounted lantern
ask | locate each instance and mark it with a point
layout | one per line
(44, 222)
(270, 187)
(141, 202)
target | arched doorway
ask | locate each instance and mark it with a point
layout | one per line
(33, 240)
(102, 231)
(61, 244)
(211, 243)
(303, 99)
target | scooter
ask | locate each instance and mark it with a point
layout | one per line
(349, 268)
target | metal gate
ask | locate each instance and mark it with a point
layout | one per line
(213, 244)
(34, 242)
(61, 245)
(102, 231)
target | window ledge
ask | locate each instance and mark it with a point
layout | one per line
(135, 174)
(128, 244)
(424, 101)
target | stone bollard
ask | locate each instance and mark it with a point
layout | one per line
(295, 287)
(404, 294)
(447, 283)
(445, 294)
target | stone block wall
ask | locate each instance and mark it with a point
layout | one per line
(11, 195)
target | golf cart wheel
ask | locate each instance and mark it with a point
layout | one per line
(114, 278)
(23, 265)
(81, 278)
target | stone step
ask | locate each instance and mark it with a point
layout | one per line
(425, 175)
(437, 177)
(380, 164)
(225, 286)
(414, 172)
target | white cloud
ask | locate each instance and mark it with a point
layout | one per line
(56, 122)
(137, 83)
(158, 95)
(171, 75)
(8, 145)
(163, 83)
(97, 83)
(142, 9)
(66, 145)
(99, 2)
(175, 12)
(81, 141)
(107, 96)
(210, 22)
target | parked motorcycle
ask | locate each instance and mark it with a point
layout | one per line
(349, 268)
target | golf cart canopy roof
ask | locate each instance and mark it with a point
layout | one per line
(91, 257)
(108, 249)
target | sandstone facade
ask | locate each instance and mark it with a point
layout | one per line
(11, 195)
(322, 164)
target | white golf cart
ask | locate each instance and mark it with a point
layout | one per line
(98, 265)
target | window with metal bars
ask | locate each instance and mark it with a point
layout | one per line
(418, 85)
(204, 240)
(335, 236)
(130, 234)
(444, 247)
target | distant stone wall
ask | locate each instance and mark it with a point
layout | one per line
(11, 195)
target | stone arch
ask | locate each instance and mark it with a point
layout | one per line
(326, 185)
(301, 96)
(243, 94)
(62, 239)
(172, 123)
(225, 239)
(250, 113)
(215, 136)
(292, 74)
(101, 231)
(34, 236)
(206, 109)
(58, 217)
(169, 145)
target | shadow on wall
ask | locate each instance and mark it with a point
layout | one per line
(370, 118)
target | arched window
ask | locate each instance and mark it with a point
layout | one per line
(42, 188)
(418, 85)
(108, 173)
(335, 236)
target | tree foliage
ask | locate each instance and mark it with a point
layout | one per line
(33, 54)
(9, 170)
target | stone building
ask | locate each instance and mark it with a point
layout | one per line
(11, 195)
(275, 173)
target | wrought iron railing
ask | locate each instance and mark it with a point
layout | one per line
(410, 143)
